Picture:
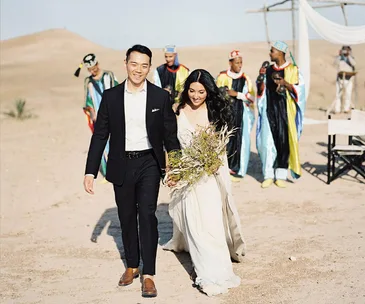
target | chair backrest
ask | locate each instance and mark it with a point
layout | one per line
(358, 115)
(346, 127)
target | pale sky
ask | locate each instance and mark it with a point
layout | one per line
(118, 24)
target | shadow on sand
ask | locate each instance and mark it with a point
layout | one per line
(254, 168)
(109, 220)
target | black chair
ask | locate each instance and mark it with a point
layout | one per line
(350, 156)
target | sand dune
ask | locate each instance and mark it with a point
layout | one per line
(53, 55)
(47, 219)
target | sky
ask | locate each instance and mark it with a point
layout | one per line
(119, 24)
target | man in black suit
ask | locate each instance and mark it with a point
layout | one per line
(138, 118)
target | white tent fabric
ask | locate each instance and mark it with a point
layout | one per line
(328, 30)
(331, 31)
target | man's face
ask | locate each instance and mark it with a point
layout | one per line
(138, 67)
(274, 54)
(170, 59)
(94, 71)
(236, 64)
(346, 51)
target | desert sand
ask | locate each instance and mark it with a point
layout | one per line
(47, 219)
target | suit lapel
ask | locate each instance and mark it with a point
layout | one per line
(149, 106)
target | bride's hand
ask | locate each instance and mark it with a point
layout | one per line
(216, 170)
(171, 183)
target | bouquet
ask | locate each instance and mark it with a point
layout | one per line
(202, 157)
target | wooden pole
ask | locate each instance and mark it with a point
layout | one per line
(293, 27)
(346, 2)
(261, 10)
(344, 13)
(266, 25)
(353, 104)
(273, 10)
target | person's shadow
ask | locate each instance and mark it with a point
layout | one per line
(254, 168)
(110, 219)
(165, 230)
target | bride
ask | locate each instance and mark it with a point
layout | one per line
(205, 225)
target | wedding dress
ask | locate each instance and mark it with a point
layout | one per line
(206, 224)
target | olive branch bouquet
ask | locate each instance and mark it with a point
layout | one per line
(202, 157)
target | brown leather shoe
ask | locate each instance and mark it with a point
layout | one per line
(128, 276)
(148, 289)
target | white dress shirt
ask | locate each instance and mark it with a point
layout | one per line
(136, 138)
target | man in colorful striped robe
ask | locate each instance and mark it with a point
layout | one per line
(94, 86)
(281, 103)
(171, 76)
(240, 89)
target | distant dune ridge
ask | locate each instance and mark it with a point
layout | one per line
(48, 59)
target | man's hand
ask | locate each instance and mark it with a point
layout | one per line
(282, 82)
(232, 93)
(89, 184)
(262, 71)
(260, 88)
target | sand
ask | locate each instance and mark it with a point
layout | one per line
(47, 219)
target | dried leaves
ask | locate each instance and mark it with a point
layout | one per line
(203, 156)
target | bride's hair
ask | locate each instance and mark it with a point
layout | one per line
(219, 109)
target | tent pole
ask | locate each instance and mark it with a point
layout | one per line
(266, 25)
(293, 27)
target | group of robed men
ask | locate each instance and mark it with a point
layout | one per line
(280, 101)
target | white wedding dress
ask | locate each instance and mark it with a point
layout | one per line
(207, 225)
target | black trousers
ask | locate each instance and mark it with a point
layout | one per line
(235, 141)
(136, 199)
(278, 120)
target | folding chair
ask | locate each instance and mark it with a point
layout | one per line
(351, 155)
(357, 115)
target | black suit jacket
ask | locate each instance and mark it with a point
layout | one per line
(160, 123)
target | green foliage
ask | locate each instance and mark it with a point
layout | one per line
(20, 111)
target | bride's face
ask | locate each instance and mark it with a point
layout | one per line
(197, 94)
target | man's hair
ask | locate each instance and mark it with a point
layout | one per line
(140, 49)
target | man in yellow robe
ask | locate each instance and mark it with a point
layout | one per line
(281, 103)
(171, 75)
(239, 87)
